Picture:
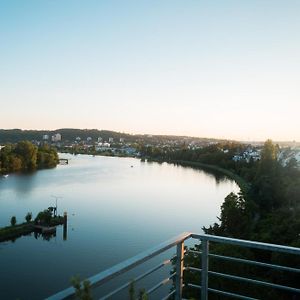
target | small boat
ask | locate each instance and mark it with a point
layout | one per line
(5, 176)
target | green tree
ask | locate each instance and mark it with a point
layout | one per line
(28, 217)
(268, 185)
(13, 221)
(28, 152)
(15, 163)
(44, 217)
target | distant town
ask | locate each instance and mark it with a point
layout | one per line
(111, 143)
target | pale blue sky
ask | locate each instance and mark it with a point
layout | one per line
(228, 69)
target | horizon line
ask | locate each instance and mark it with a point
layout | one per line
(151, 134)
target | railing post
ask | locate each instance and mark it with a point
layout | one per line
(204, 272)
(179, 270)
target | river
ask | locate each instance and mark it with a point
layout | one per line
(117, 207)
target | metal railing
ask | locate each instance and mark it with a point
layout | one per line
(177, 276)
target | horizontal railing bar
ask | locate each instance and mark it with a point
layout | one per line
(169, 295)
(195, 252)
(233, 295)
(256, 263)
(159, 266)
(250, 262)
(194, 286)
(129, 264)
(163, 282)
(124, 266)
(254, 281)
(107, 296)
(193, 269)
(245, 243)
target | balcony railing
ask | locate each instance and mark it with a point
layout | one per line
(177, 276)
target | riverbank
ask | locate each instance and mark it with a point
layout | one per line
(13, 232)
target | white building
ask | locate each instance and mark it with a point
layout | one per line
(122, 140)
(89, 139)
(78, 139)
(45, 137)
(110, 140)
(99, 139)
(102, 146)
(56, 137)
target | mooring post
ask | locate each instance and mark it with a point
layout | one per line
(179, 270)
(65, 229)
(204, 272)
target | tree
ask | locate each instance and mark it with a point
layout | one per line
(44, 217)
(233, 216)
(268, 185)
(269, 151)
(83, 291)
(268, 160)
(13, 221)
(15, 163)
(28, 217)
(28, 152)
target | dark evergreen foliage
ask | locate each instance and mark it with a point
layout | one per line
(267, 211)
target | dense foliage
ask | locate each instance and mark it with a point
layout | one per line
(24, 156)
(267, 211)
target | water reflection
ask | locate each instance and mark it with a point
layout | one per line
(216, 175)
(25, 183)
(41, 235)
(44, 236)
(22, 183)
(114, 211)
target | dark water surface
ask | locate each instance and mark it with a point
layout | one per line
(117, 207)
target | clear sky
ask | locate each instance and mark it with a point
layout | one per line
(228, 69)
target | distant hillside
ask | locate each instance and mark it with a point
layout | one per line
(70, 134)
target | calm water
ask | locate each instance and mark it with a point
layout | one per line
(116, 208)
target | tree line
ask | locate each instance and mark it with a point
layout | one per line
(267, 211)
(24, 156)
